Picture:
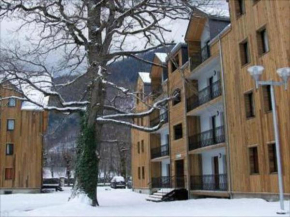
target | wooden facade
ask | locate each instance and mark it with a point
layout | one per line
(242, 162)
(21, 165)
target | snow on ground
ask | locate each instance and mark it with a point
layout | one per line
(122, 202)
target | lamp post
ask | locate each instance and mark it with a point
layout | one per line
(284, 73)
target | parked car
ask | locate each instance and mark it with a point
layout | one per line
(118, 182)
(52, 183)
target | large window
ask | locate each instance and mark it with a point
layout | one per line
(267, 98)
(240, 7)
(254, 161)
(9, 173)
(177, 97)
(262, 41)
(249, 105)
(244, 52)
(10, 124)
(177, 131)
(272, 158)
(9, 149)
(11, 102)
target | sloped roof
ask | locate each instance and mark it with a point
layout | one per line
(145, 76)
(161, 56)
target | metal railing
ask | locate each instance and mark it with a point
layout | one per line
(160, 151)
(209, 182)
(206, 138)
(168, 182)
(155, 121)
(205, 95)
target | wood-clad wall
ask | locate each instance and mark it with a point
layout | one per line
(27, 138)
(141, 159)
(257, 131)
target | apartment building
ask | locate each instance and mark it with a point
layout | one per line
(21, 142)
(219, 138)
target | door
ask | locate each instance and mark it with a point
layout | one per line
(179, 173)
(213, 125)
(216, 172)
(211, 88)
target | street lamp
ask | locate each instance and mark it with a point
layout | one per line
(284, 73)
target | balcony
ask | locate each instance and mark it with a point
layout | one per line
(209, 182)
(156, 121)
(207, 138)
(197, 59)
(168, 182)
(161, 151)
(205, 95)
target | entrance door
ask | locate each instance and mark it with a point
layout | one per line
(216, 172)
(211, 90)
(179, 173)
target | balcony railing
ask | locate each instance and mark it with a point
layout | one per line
(160, 151)
(155, 121)
(209, 182)
(198, 58)
(207, 138)
(168, 182)
(205, 95)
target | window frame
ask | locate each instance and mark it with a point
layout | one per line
(138, 147)
(240, 8)
(245, 54)
(6, 150)
(139, 173)
(251, 104)
(274, 158)
(12, 174)
(267, 103)
(263, 43)
(142, 146)
(174, 130)
(255, 161)
(12, 99)
(176, 59)
(8, 124)
(143, 172)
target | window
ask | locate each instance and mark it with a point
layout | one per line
(139, 173)
(177, 98)
(272, 158)
(244, 53)
(174, 63)
(178, 131)
(249, 105)
(267, 98)
(9, 173)
(10, 124)
(138, 147)
(143, 173)
(240, 7)
(254, 162)
(164, 74)
(262, 41)
(142, 146)
(9, 149)
(255, 1)
(11, 102)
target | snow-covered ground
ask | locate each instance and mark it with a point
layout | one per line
(127, 203)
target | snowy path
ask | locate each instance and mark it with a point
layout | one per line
(128, 203)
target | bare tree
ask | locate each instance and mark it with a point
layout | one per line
(90, 35)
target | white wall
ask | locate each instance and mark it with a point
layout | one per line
(164, 171)
(163, 136)
(205, 36)
(205, 119)
(207, 164)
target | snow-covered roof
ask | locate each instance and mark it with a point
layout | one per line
(161, 56)
(217, 11)
(30, 85)
(145, 76)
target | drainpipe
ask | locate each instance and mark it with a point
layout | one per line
(186, 139)
(225, 120)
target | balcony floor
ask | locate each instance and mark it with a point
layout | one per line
(207, 148)
(159, 159)
(213, 105)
